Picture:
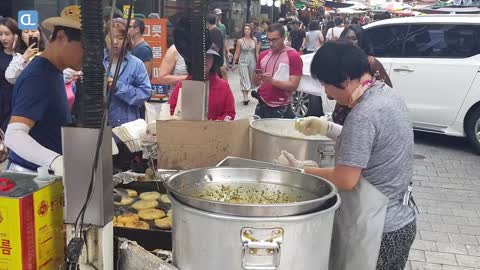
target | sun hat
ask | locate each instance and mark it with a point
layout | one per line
(70, 17)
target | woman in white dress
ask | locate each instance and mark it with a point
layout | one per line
(246, 54)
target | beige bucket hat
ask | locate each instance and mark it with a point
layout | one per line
(70, 17)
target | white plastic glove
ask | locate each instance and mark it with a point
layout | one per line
(318, 126)
(312, 125)
(57, 166)
(287, 159)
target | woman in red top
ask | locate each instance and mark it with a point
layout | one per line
(221, 104)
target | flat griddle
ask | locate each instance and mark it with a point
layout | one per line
(153, 238)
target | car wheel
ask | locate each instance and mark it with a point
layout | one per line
(300, 104)
(472, 128)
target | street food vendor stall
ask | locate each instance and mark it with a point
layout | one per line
(244, 214)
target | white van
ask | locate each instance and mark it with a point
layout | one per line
(434, 63)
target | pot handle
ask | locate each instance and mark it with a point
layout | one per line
(261, 254)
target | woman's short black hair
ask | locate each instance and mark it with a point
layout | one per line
(335, 62)
(212, 19)
(183, 37)
(362, 37)
(71, 33)
(314, 25)
(338, 21)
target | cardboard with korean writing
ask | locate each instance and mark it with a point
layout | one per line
(194, 144)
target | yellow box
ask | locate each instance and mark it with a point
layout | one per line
(31, 224)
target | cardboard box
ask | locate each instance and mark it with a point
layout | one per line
(186, 145)
(31, 224)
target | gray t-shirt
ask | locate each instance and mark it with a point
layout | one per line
(378, 137)
(312, 40)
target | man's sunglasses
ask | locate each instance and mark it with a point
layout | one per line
(273, 39)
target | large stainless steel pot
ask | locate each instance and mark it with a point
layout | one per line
(207, 241)
(309, 192)
(270, 136)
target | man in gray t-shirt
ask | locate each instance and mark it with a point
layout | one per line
(378, 137)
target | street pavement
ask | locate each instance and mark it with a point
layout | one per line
(447, 191)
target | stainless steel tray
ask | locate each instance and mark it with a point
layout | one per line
(312, 192)
(250, 163)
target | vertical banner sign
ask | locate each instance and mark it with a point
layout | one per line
(126, 10)
(156, 36)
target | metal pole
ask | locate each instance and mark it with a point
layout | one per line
(249, 5)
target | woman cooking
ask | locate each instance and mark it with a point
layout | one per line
(358, 37)
(375, 147)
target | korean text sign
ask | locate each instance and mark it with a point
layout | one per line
(156, 36)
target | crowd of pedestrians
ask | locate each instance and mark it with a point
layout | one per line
(267, 57)
(38, 83)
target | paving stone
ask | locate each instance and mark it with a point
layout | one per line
(417, 255)
(471, 206)
(474, 230)
(447, 204)
(474, 221)
(457, 198)
(458, 169)
(440, 170)
(424, 226)
(425, 266)
(420, 168)
(425, 245)
(436, 196)
(420, 178)
(445, 228)
(463, 239)
(452, 248)
(434, 219)
(447, 174)
(434, 236)
(439, 211)
(440, 257)
(462, 190)
(427, 173)
(473, 250)
(426, 188)
(466, 260)
(463, 180)
(465, 213)
(452, 267)
(473, 172)
(455, 220)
